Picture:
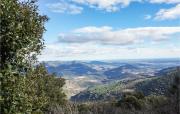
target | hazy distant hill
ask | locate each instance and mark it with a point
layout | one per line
(150, 85)
(85, 74)
(120, 72)
(99, 63)
(166, 71)
(73, 68)
(110, 69)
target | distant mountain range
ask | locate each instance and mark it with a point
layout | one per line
(82, 75)
(111, 69)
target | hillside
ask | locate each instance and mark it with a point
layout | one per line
(166, 71)
(108, 91)
(121, 72)
(159, 85)
(81, 75)
(148, 85)
(73, 68)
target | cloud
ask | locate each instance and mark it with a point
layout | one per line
(90, 51)
(165, 1)
(76, 6)
(147, 17)
(107, 5)
(168, 14)
(108, 36)
(65, 7)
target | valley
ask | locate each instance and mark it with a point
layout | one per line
(103, 80)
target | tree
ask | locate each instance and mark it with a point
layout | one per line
(44, 90)
(21, 33)
(132, 100)
(175, 90)
(21, 41)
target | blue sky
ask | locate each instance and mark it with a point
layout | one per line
(111, 29)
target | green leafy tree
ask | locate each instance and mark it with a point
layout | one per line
(21, 33)
(21, 30)
(44, 90)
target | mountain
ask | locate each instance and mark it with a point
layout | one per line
(110, 69)
(82, 75)
(148, 85)
(166, 71)
(120, 72)
(99, 63)
(72, 68)
(161, 84)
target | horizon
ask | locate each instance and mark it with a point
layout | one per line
(119, 29)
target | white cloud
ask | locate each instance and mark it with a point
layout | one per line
(64, 7)
(109, 36)
(168, 14)
(107, 5)
(147, 17)
(100, 52)
(76, 6)
(87, 43)
(165, 1)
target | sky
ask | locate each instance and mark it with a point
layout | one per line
(110, 29)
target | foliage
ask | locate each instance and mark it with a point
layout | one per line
(21, 33)
(44, 90)
(20, 41)
(174, 91)
(14, 98)
(137, 103)
(107, 91)
(24, 89)
(156, 86)
(153, 101)
(82, 107)
(131, 101)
